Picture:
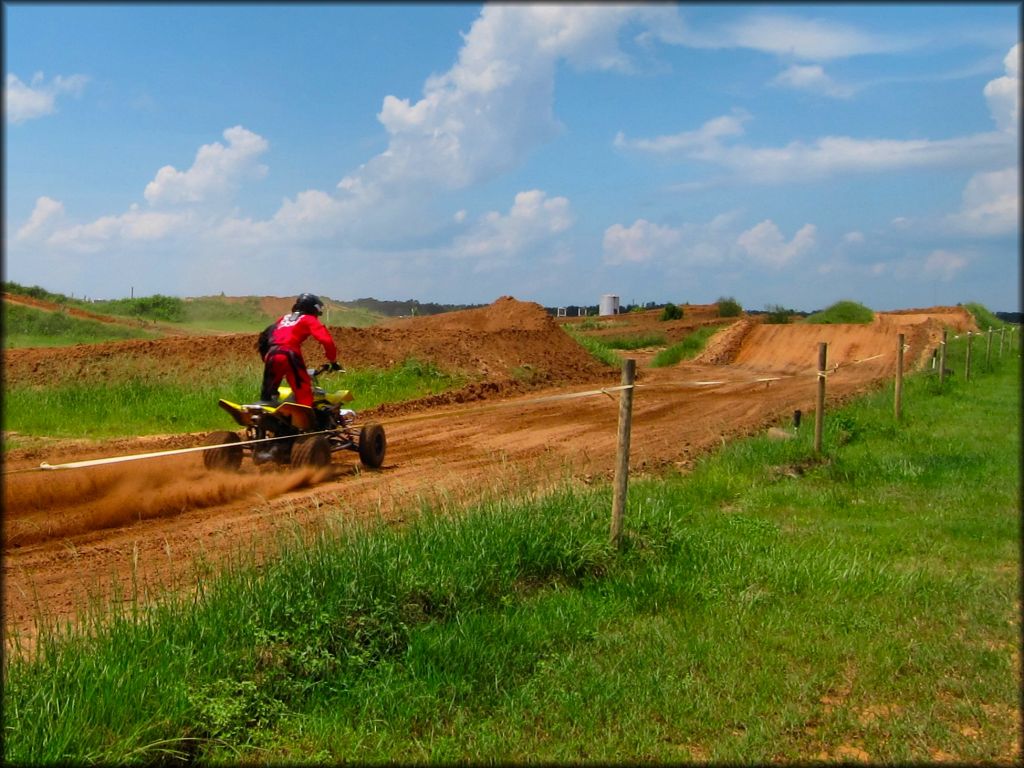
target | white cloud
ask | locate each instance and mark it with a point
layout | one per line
(855, 237)
(704, 138)
(944, 265)
(766, 245)
(991, 204)
(216, 171)
(826, 157)
(26, 102)
(1003, 94)
(495, 105)
(641, 243)
(45, 215)
(791, 36)
(715, 141)
(812, 78)
(133, 226)
(533, 220)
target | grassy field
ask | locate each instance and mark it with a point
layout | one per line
(772, 605)
(28, 327)
(147, 405)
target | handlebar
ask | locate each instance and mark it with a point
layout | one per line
(325, 368)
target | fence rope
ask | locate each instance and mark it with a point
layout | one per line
(45, 466)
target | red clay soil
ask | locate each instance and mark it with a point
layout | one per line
(153, 524)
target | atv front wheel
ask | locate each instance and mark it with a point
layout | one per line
(312, 451)
(228, 457)
(372, 445)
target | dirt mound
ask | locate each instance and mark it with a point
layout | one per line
(723, 347)
(792, 348)
(505, 314)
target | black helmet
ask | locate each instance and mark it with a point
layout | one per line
(308, 304)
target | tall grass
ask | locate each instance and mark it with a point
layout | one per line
(170, 309)
(688, 348)
(636, 341)
(774, 605)
(984, 317)
(594, 347)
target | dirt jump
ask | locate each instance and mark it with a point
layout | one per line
(533, 415)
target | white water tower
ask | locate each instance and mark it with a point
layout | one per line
(609, 305)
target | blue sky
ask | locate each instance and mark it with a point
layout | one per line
(777, 154)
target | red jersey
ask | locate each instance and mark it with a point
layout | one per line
(294, 328)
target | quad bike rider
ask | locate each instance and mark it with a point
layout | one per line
(301, 424)
(280, 346)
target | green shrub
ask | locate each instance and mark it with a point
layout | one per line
(729, 307)
(672, 312)
(157, 307)
(843, 312)
(778, 314)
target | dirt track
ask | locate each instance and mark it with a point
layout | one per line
(151, 523)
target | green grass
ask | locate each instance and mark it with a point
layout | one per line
(636, 341)
(984, 317)
(29, 327)
(35, 291)
(589, 324)
(773, 605)
(686, 349)
(842, 312)
(596, 348)
(143, 405)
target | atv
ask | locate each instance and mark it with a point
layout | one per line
(296, 434)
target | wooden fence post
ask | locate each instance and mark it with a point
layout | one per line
(622, 455)
(898, 398)
(1001, 335)
(988, 351)
(942, 357)
(967, 362)
(819, 411)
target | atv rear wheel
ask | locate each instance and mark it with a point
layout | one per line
(312, 451)
(228, 457)
(372, 445)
